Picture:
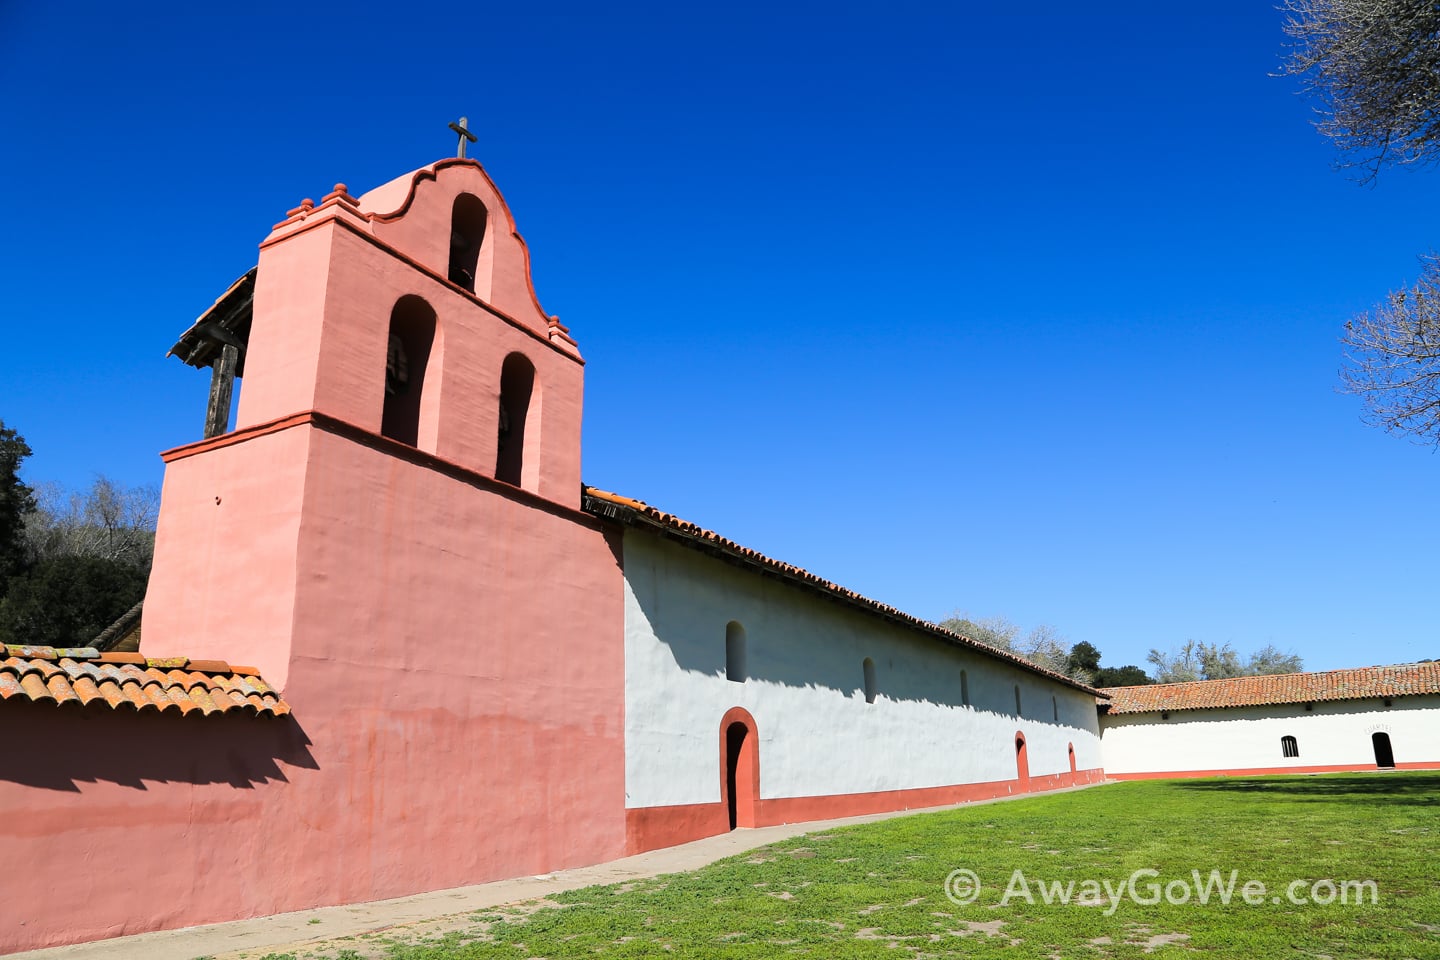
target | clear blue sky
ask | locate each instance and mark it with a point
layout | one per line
(1031, 314)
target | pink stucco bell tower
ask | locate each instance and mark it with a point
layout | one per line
(392, 534)
(410, 313)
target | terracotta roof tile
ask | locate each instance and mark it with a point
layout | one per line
(613, 506)
(1360, 683)
(88, 679)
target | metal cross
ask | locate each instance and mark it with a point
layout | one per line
(465, 134)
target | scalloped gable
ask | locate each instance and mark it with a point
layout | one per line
(413, 214)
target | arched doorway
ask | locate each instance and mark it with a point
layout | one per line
(739, 768)
(1384, 756)
(1022, 761)
(1072, 758)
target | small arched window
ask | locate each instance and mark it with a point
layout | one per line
(868, 668)
(517, 421)
(1288, 747)
(407, 362)
(964, 689)
(1018, 713)
(467, 233)
(1055, 708)
(735, 652)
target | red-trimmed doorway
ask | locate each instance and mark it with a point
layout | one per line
(739, 767)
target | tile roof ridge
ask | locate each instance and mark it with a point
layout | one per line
(92, 655)
(1264, 676)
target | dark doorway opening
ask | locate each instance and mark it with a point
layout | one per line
(1384, 756)
(735, 735)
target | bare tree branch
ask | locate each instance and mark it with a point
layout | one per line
(1374, 65)
(1392, 356)
(107, 521)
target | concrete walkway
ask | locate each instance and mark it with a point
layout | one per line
(290, 932)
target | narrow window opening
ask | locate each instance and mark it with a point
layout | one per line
(1017, 701)
(735, 652)
(517, 383)
(1055, 708)
(407, 355)
(868, 668)
(1384, 755)
(467, 233)
(1288, 747)
(964, 689)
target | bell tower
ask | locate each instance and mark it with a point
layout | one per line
(400, 313)
(392, 535)
(407, 409)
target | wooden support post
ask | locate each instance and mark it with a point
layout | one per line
(222, 384)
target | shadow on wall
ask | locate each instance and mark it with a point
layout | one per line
(1396, 787)
(63, 747)
(893, 665)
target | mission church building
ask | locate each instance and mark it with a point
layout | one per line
(463, 665)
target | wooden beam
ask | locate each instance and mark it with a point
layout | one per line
(222, 385)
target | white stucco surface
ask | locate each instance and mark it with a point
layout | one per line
(1331, 734)
(804, 688)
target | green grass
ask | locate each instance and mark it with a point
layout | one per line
(877, 890)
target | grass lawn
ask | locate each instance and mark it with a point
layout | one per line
(878, 890)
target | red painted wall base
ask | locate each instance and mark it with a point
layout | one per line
(1267, 771)
(650, 828)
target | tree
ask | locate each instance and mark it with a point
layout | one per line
(1084, 656)
(1044, 646)
(992, 631)
(17, 502)
(1213, 661)
(1126, 676)
(1181, 666)
(1374, 65)
(1270, 660)
(78, 560)
(108, 521)
(1392, 356)
(66, 601)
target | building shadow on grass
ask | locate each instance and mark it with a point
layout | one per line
(1392, 786)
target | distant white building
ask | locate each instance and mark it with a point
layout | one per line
(1362, 719)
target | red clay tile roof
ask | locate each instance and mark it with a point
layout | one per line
(1361, 683)
(612, 506)
(84, 677)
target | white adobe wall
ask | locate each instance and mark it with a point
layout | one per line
(1237, 738)
(817, 734)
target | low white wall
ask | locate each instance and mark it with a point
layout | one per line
(804, 656)
(1332, 734)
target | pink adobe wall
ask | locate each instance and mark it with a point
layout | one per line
(120, 823)
(223, 582)
(454, 666)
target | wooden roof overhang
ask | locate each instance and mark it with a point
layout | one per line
(227, 322)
